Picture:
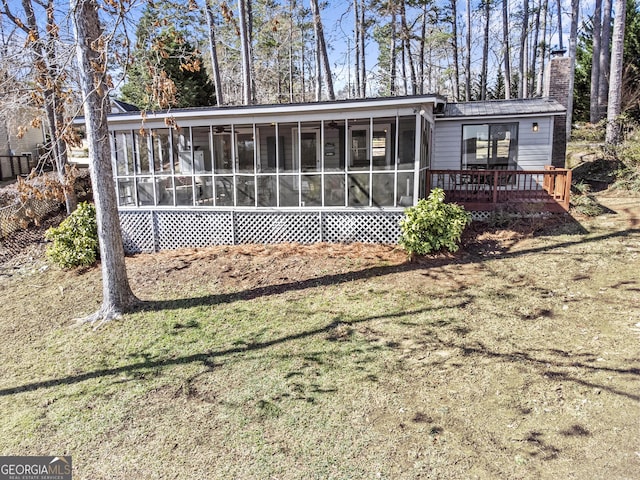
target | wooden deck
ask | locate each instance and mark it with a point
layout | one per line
(486, 190)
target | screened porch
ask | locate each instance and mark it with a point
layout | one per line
(363, 161)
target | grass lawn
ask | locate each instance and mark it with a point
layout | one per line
(518, 357)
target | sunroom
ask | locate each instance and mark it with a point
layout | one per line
(330, 171)
(363, 156)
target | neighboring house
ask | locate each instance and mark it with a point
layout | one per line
(79, 155)
(327, 171)
(19, 142)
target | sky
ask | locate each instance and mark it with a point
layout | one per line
(337, 19)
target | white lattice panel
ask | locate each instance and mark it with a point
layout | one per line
(370, 227)
(481, 216)
(145, 231)
(177, 229)
(137, 232)
(277, 227)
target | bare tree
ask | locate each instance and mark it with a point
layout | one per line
(245, 51)
(559, 8)
(213, 51)
(49, 79)
(507, 50)
(322, 48)
(421, 54)
(454, 44)
(605, 59)
(485, 50)
(573, 43)
(467, 88)
(542, 48)
(91, 45)
(392, 50)
(363, 64)
(522, 65)
(356, 34)
(406, 42)
(534, 50)
(614, 130)
(594, 107)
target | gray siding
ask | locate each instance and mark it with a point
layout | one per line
(534, 148)
(447, 149)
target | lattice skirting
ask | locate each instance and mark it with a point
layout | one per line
(148, 231)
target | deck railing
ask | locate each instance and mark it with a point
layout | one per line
(12, 166)
(482, 190)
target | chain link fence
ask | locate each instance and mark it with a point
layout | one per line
(24, 224)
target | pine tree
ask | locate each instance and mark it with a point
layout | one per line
(166, 70)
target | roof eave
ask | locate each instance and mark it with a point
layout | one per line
(266, 110)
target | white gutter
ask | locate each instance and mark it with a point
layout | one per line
(269, 110)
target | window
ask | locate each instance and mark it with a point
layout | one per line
(491, 146)
(365, 144)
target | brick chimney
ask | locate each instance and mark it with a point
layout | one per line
(556, 87)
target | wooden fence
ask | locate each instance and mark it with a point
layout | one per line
(486, 190)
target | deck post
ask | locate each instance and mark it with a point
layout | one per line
(495, 187)
(567, 191)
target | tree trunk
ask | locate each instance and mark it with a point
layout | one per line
(247, 97)
(117, 295)
(322, 48)
(356, 34)
(249, 7)
(406, 40)
(318, 65)
(423, 36)
(403, 63)
(467, 89)
(291, 10)
(303, 80)
(392, 53)
(363, 66)
(485, 51)
(522, 65)
(507, 50)
(534, 51)
(454, 39)
(605, 57)
(559, 7)
(542, 49)
(213, 50)
(594, 107)
(614, 130)
(573, 42)
(48, 77)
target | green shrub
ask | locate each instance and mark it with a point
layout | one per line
(432, 225)
(75, 240)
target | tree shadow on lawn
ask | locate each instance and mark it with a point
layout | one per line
(208, 358)
(424, 263)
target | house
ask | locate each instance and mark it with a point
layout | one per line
(20, 142)
(328, 171)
